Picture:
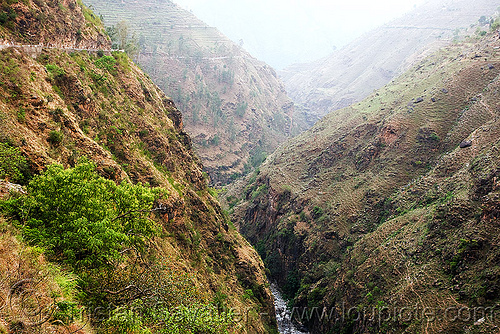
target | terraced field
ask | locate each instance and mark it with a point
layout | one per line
(161, 23)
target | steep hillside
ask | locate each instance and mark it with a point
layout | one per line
(51, 23)
(390, 203)
(368, 63)
(234, 107)
(181, 265)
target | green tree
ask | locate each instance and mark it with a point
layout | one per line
(122, 33)
(106, 63)
(83, 219)
(91, 224)
(122, 39)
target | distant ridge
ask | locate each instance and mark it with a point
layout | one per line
(373, 60)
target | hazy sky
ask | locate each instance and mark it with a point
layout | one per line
(282, 32)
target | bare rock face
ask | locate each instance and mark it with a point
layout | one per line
(53, 23)
(7, 188)
(466, 143)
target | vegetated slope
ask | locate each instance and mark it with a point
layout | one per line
(27, 277)
(234, 106)
(378, 206)
(57, 107)
(373, 60)
(51, 23)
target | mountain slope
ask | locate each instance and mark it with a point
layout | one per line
(389, 203)
(368, 63)
(58, 106)
(39, 22)
(235, 108)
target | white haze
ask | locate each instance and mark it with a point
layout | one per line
(282, 32)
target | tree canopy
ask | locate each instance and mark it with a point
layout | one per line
(83, 218)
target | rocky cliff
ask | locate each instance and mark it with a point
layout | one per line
(58, 105)
(388, 207)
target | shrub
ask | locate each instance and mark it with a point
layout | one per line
(55, 137)
(292, 284)
(6, 16)
(240, 110)
(495, 25)
(434, 136)
(57, 112)
(124, 320)
(21, 115)
(215, 140)
(54, 70)
(257, 156)
(317, 211)
(122, 60)
(259, 191)
(188, 317)
(81, 218)
(11, 163)
(106, 63)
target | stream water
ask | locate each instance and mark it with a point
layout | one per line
(283, 315)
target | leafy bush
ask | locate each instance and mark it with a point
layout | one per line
(227, 77)
(292, 284)
(259, 191)
(257, 156)
(55, 137)
(101, 231)
(215, 140)
(495, 25)
(54, 70)
(11, 163)
(5, 16)
(194, 318)
(82, 218)
(106, 63)
(124, 320)
(65, 312)
(122, 60)
(10, 70)
(317, 211)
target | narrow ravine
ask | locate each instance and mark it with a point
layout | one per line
(283, 315)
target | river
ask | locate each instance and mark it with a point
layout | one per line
(283, 315)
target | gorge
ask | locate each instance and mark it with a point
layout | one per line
(162, 189)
